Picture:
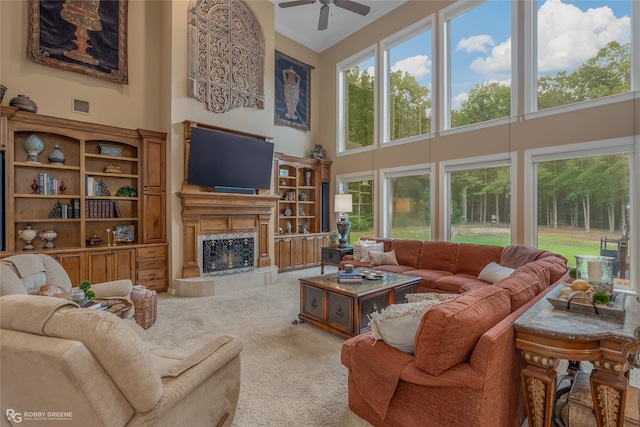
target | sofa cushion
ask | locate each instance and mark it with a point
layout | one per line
(493, 272)
(459, 283)
(428, 278)
(383, 258)
(516, 255)
(557, 267)
(439, 256)
(540, 271)
(407, 251)
(472, 258)
(521, 286)
(448, 332)
(396, 324)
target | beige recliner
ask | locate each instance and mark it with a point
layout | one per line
(25, 273)
(94, 369)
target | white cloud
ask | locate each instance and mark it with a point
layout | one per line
(477, 43)
(498, 64)
(418, 66)
(456, 101)
(371, 71)
(568, 36)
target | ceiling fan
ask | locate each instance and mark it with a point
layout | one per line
(324, 10)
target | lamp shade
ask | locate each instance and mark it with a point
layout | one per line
(343, 203)
(403, 205)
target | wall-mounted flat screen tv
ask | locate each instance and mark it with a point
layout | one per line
(218, 159)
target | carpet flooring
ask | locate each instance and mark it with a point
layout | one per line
(291, 374)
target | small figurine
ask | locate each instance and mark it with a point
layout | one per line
(288, 227)
(287, 212)
(34, 187)
(62, 187)
(318, 152)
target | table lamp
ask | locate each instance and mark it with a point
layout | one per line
(343, 204)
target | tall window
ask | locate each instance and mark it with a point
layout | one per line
(583, 50)
(407, 82)
(479, 201)
(583, 195)
(407, 201)
(356, 110)
(477, 70)
(361, 187)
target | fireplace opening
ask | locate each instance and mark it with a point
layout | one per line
(227, 253)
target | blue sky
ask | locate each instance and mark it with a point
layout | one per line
(569, 33)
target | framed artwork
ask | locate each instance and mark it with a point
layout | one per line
(84, 36)
(292, 92)
(124, 234)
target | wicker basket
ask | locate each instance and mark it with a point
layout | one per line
(145, 303)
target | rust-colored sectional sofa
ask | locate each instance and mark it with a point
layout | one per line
(465, 367)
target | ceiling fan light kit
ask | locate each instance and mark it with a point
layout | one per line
(323, 22)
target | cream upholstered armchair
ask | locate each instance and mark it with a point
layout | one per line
(95, 369)
(25, 273)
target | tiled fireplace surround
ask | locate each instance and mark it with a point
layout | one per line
(209, 213)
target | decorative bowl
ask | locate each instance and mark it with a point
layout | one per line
(110, 150)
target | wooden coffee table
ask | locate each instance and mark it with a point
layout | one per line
(342, 309)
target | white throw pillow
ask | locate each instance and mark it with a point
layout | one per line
(493, 272)
(397, 324)
(366, 248)
(357, 248)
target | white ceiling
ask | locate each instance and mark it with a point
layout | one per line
(300, 23)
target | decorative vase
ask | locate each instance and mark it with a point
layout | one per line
(33, 145)
(3, 90)
(48, 235)
(291, 89)
(307, 177)
(597, 270)
(24, 103)
(28, 234)
(56, 156)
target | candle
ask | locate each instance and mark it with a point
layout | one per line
(594, 271)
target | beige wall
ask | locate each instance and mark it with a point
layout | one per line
(593, 124)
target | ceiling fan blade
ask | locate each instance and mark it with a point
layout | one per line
(296, 3)
(324, 17)
(353, 6)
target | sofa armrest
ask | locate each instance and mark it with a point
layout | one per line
(115, 289)
(460, 376)
(176, 389)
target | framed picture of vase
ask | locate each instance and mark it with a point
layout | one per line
(292, 92)
(88, 36)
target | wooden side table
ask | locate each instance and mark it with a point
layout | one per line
(332, 256)
(545, 335)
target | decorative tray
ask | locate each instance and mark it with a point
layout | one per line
(615, 309)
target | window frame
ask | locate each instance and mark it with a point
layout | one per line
(399, 172)
(341, 67)
(420, 27)
(369, 175)
(531, 67)
(472, 163)
(630, 145)
(444, 66)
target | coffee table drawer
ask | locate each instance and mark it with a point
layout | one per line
(371, 305)
(400, 292)
(340, 312)
(312, 298)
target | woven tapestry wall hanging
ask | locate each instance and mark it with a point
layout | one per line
(84, 36)
(225, 65)
(292, 92)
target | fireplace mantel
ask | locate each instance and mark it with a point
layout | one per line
(211, 212)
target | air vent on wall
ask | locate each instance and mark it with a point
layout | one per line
(80, 106)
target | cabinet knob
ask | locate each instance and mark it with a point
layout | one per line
(314, 303)
(339, 312)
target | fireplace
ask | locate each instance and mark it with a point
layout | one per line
(226, 253)
(227, 243)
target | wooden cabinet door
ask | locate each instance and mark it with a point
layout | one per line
(98, 266)
(114, 264)
(123, 264)
(73, 264)
(154, 225)
(283, 248)
(310, 250)
(297, 252)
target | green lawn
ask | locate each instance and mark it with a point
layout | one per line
(568, 242)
